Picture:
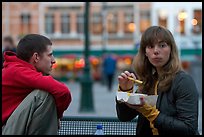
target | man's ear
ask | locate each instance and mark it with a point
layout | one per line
(35, 57)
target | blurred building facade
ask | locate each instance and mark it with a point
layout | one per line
(121, 23)
(183, 19)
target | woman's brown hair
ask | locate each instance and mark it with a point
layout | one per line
(145, 70)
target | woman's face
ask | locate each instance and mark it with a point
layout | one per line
(158, 54)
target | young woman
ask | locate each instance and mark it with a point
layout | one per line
(157, 64)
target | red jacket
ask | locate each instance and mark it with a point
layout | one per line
(19, 78)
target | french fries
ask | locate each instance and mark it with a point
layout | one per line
(135, 80)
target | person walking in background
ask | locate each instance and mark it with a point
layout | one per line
(32, 101)
(8, 45)
(109, 68)
(157, 64)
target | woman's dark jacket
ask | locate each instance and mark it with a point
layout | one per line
(178, 109)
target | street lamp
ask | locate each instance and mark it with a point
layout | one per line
(86, 102)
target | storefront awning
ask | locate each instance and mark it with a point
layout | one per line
(60, 53)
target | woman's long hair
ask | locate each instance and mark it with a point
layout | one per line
(145, 71)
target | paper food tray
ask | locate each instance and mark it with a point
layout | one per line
(134, 98)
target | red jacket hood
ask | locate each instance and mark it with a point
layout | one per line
(11, 57)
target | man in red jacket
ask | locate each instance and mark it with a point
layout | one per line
(32, 101)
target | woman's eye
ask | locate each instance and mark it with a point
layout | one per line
(163, 45)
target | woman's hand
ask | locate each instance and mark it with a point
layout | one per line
(148, 111)
(124, 82)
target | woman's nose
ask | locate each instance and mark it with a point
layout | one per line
(156, 50)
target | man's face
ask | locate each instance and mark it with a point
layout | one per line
(46, 61)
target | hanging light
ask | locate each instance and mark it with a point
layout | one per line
(182, 15)
(194, 22)
(131, 27)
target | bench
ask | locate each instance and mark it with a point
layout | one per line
(87, 126)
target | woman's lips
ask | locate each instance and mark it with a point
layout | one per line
(157, 59)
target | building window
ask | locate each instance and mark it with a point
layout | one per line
(197, 22)
(80, 23)
(129, 25)
(181, 17)
(112, 22)
(144, 20)
(162, 22)
(25, 23)
(96, 22)
(65, 24)
(182, 27)
(49, 24)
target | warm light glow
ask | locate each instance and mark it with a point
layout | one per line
(163, 14)
(95, 61)
(194, 22)
(128, 61)
(131, 27)
(182, 15)
(79, 63)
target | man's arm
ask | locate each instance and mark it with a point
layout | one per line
(35, 80)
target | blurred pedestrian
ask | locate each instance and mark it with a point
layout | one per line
(103, 79)
(32, 101)
(109, 68)
(8, 45)
(157, 64)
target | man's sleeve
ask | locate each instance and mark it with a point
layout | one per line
(35, 80)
